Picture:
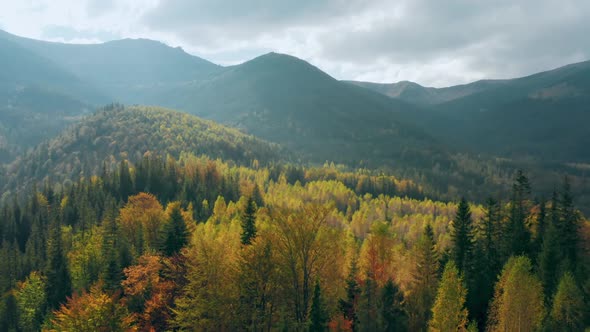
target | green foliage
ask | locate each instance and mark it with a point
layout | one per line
(449, 312)
(518, 303)
(318, 315)
(249, 222)
(569, 311)
(31, 300)
(175, 232)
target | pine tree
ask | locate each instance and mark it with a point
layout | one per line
(568, 228)
(111, 273)
(318, 315)
(462, 237)
(56, 271)
(424, 280)
(568, 305)
(449, 313)
(393, 316)
(125, 182)
(175, 232)
(550, 257)
(249, 222)
(348, 306)
(368, 305)
(517, 234)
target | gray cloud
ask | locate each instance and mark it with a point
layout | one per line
(431, 42)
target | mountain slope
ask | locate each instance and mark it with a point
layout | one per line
(426, 96)
(125, 69)
(37, 98)
(287, 100)
(539, 116)
(117, 132)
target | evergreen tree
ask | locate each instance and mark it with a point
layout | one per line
(111, 272)
(424, 280)
(368, 306)
(56, 271)
(568, 306)
(517, 234)
(175, 232)
(125, 182)
(318, 315)
(462, 237)
(567, 228)
(449, 312)
(393, 316)
(249, 222)
(348, 306)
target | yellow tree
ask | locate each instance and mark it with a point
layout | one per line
(518, 300)
(449, 313)
(305, 247)
(140, 221)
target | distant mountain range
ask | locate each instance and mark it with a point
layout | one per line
(424, 131)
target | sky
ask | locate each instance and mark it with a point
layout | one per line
(434, 43)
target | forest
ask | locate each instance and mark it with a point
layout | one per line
(198, 244)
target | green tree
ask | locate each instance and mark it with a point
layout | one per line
(517, 234)
(31, 300)
(348, 306)
(249, 222)
(318, 314)
(424, 280)
(462, 237)
(449, 312)
(393, 316)
(568, 306)
(175, 235)
(58, 277)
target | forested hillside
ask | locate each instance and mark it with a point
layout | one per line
(115, 133)
(198, 244)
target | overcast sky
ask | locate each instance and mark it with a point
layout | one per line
(435, 43)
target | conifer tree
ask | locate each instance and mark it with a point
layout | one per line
(56, 271)
(175, 232)
(449, 312)
(318, 315)
(517, 234)
(424, 280)
(393, 316)
(249, 222)
(462, 237)
(348, 306)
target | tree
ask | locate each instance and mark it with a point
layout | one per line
(368, 305)
(318, 314)
(31, 299)
(93, 311)
(424, 280)
(348, 306)
(58, 285)
(568, 305)
(449, 312)
(518, 300)
(567, 228)
(393, 316)
(249, 222)
(517, 234)
(462, 237)
(175, 234)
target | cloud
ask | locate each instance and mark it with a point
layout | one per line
(432, 42)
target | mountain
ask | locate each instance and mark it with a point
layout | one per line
(287, 100)
(538, 116)
(124, 70)
(417, 94)
(37, 98)
(116, 132)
